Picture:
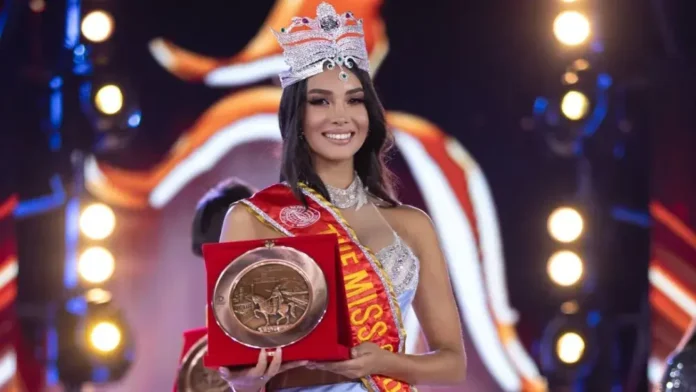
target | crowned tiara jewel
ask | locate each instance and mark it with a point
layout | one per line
(330, 40)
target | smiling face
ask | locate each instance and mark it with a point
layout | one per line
(336, 120)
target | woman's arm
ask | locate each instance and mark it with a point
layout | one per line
(688, 338)
(436, 310)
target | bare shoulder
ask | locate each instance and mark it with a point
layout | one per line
(239, 224)
(410, 222)
(411, 213)
(239, 214)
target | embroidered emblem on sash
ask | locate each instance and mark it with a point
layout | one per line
(299, 216)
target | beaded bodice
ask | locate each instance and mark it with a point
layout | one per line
(401, 264)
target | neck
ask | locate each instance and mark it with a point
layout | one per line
(336, 174)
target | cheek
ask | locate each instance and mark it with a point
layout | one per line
(313, 125)
(362, 121)
(312, 122)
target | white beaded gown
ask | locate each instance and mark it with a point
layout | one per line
(402, 266)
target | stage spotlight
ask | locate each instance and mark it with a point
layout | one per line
(575, 105)
(577, 110)
(571, 28)
(105, 336)
(565, 224)
(96, 265)
(570, 78)
(109, 99)
(565, 268)
(580, 65)
(95, 344)
(570, 307)
(37, 6)
(570, 346)
(98, 296)
(97, 26)
(97, 221)
(110, 104)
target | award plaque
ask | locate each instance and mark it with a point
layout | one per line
(193, 376)
(285, 292)
(270, 297)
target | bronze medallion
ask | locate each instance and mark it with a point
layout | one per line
(194, 377)
(270, 297)
(283, 306)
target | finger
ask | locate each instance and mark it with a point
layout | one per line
(356, 352)
(338, 367)
(274, 367)
(261, 365)
(362, 349)
(291, 365)
(224, 373)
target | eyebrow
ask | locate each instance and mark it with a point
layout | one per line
(328, 92)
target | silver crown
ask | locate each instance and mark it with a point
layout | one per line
(330, 39)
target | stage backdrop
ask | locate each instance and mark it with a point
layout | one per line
(673, 265)
(19, 371)
(209, 98)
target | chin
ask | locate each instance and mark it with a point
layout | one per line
(335, 156)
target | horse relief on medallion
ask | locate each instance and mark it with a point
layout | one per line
(271, 298)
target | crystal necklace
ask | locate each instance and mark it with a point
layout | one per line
(353, 196)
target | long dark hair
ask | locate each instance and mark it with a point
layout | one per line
(370, 160)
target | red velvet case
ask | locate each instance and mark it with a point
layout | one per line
(329, 341)
(190, 338)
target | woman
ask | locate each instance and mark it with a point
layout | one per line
(335, 141)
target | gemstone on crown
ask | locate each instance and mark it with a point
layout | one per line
(325, 9)
(329, 24)
(328, 18)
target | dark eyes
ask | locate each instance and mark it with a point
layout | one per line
(318, 101)
(324, 101)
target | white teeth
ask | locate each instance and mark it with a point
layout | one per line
(338, 136)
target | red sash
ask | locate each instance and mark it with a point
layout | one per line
(373, 308)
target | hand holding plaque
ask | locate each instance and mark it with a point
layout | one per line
(285, 292)
(193, 376)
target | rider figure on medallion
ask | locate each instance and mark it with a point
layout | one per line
(335, 180)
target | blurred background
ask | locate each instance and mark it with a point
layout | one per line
(549, 141)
